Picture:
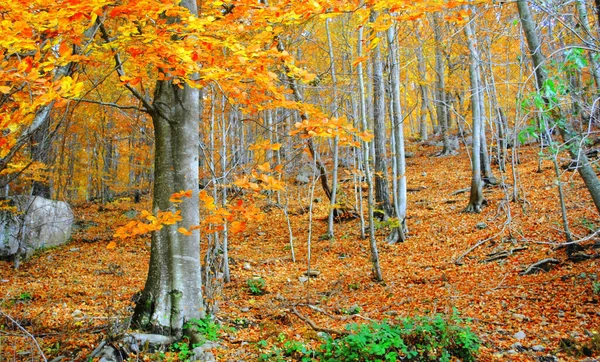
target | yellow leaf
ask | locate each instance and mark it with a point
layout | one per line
(111, 245)
(5, 89)
(265, 167)
(184, 231)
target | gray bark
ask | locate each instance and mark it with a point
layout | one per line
(363, 116)
(334, 177)
(173, 291)
(382, 191)
(441, 102)
(476, 195)
(398, 129)
(570, 138)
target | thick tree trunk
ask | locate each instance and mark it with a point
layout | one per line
(173, 291)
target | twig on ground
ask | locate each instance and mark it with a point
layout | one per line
(544, 264)
(458, 261)
(317, 328)
(27, 333)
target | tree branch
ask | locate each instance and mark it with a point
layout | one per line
(317, 328)
(109, 104)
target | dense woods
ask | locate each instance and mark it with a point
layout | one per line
(288, 180)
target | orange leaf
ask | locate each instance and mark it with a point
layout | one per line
(184, 231)
(111, 245)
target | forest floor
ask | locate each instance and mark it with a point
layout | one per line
(71, 297)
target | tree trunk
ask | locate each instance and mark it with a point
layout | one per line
(441, 102)
(40, 152)
(334, 177)
(370, 204)
(382, 191)
(173, 291)
(398, 129)
(566, 130)
(476, 199)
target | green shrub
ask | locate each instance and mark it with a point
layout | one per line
(436, 338)
(256, 285)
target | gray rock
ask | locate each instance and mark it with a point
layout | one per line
(302, 179)
(538, 348)
(247, 266)
(153, 340)
(303, 279)
(131, 214)
(202, 353)
(481, 225)
(305, 174)
(39, 223)
(517, 346)
(519, 335)
(409, 154)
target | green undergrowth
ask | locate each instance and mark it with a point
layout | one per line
(430, 338)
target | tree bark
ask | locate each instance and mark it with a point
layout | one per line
(368, 177)
(382, 190)
(566, 130)
(398, 129)
(441, 102)
(476, 199)
(173, 291)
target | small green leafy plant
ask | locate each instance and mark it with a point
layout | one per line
(596, 288)
(256, 285)
(182, 349)
(207, 328)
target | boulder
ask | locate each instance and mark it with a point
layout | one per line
(305, 175)
(36, 223)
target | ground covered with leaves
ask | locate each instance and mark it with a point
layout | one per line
(65, 301)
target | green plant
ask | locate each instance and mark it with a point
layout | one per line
(596, 288)
(588, 224)
(25, 297)
(182, 349)
(206, 327)
(350, 311)
(420, 338)
(256, 285)
(436, 338)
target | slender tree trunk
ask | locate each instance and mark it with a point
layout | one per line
(382, 191)
(585, 23)
(571, 139)
(309, 142)
(422, 68)
(363, 116)
(476, 199)
(334, 177)
(398, 129)
(441, 101)
(40, 152)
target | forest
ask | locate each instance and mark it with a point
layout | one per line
(283, 180)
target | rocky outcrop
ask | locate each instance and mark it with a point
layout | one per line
(33, 223)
